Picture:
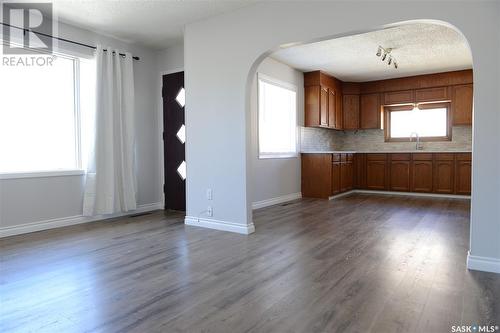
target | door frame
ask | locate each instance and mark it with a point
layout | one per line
(159, 115)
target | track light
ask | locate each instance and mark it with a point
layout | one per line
(383, 53)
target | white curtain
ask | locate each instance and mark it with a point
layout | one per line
(111, 182)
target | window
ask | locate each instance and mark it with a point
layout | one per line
(277, 118)
(430, 121)
(40, 122)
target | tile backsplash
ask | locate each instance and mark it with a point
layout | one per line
(318, 139)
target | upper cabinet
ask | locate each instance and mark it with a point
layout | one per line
(462, 104)
(369, 116)
(322, 105)
(330, 103)
(399, 97)
(350, 106)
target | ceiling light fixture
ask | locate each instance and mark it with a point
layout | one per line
(384, 53)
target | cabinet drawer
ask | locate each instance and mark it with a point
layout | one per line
(349, 157)
(444, 156)
(422, 157)
(432, 94)
(376, 157)
(399, 97)
(335, 157)
(463, 156)
(400, 157)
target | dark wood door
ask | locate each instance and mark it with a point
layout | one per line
(335, 177)
(443, 176)
(462, 104)
(350, 107)
(173, 141)
(463, 173)
(332, 109)
(376, 171)
(346, 176)
(400, 176)
(370, 111)
(422, 176)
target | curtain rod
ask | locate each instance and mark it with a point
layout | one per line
(59, 38)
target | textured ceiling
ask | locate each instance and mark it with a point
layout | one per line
(153, 23)
(419, 49)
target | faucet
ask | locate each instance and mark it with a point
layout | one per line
(417, 142)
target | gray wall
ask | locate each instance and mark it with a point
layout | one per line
(30, 200)
(220, 63)
(272, 178)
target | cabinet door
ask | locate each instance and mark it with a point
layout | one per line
(335, 178)
(312, 106)
(359, 167)
(332, 108)
(316, 175)
(443, 176)
(324, 106)
(399, 179)
(339, 119)
(370, 111)
(422, 176)
(346, 175)
(438, 94)
(375, 175)
(462, 104)
(350, 107)
(463, 174)
(399, 97)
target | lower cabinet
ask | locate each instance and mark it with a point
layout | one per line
(444, 173)
(463, 174)
(376, 171)
(421, 173)
(326, 174)
(399, 179)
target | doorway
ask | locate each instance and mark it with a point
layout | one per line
(174, 138)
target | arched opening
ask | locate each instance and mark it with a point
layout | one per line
(397, 111)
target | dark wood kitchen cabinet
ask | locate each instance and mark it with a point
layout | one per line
(350, 107)
(323, 107)
(316, 106)
(399, 171)
(421, 172)
(461, 104)
(336, 174)
(463, 173)
(399, 97)
(316, 175)
(346, 172)
(444, 173)
(369, 113)
(376, 171)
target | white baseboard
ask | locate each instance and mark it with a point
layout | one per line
(341, 195)
(485, 264)
(219, 225)
(71, 220)
(413, 194)
(276, 201)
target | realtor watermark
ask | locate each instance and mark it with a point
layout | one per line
(475, 328)
(27, 34)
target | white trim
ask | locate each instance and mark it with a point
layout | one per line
(336, 196)
(485, 264)
(276, 200)
(71, 220)
(413, 194)
(41, 174)
(219, 225)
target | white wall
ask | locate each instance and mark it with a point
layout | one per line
(220, 59)
(32, 200)
(170, 59)
(274, 178)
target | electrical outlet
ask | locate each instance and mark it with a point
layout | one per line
(209, 194)
(210, 211)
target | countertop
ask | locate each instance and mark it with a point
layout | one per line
(381, 152)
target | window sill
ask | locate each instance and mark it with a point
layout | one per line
(41, 174)
(278, 156)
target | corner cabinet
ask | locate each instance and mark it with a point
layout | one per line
(321, 101)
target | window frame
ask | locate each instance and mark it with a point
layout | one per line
(422, 106)
(285, 85)
(77, 123)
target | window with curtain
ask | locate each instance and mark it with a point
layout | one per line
(430, 121)
(42, 114)
(277, 121)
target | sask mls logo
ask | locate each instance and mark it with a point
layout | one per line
(20, 19)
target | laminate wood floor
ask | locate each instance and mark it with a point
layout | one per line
(361, 263)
